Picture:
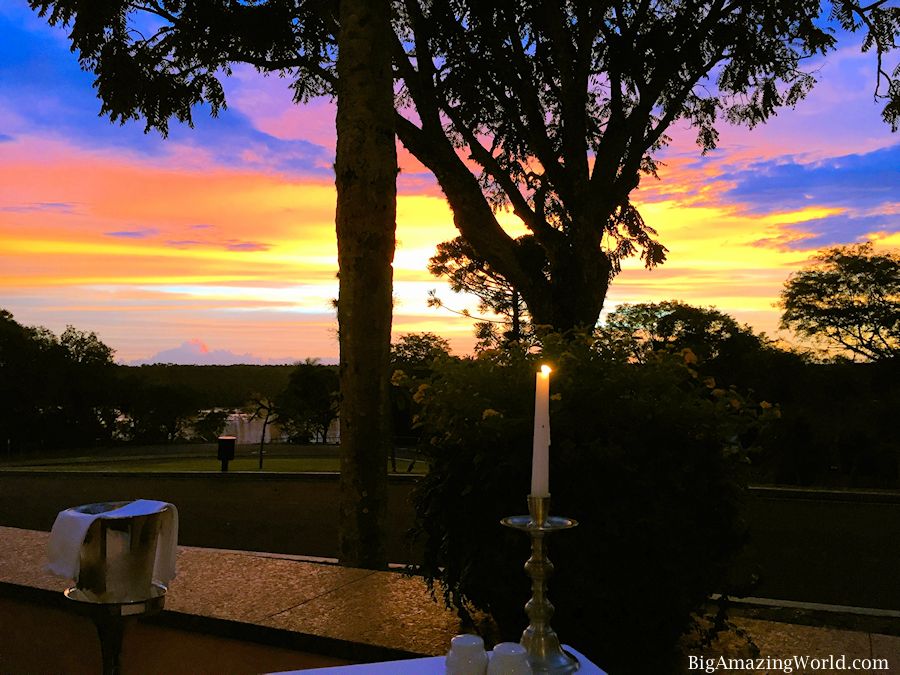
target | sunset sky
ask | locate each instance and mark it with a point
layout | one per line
(218, 242)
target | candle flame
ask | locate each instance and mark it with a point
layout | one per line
(545, 369)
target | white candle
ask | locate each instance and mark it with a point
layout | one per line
(540, 458)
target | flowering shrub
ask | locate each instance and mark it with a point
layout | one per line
(647, 457)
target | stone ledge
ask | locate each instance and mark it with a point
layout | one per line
(358, 615)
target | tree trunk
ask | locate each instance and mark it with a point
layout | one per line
(366, 174)
(579, 291)
(516, 321)
(262, 438)
(579, 278)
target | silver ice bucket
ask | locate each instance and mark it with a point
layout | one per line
(118, 555)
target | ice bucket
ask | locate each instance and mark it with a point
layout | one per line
(117, 557)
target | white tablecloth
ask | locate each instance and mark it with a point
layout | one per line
(433, 665)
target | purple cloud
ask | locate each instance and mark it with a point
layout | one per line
(234, 245)
(835, 230)
(56, 207)
(143, 233)
(185, 243)
(196, 352)
(863, 181)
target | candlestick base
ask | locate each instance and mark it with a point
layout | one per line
(540, 641)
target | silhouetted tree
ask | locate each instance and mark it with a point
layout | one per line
(560, 105)
(87, 389)
(848, 298)
(309, 404)
(209, 425)
(468, 272)
(417, 351)
(556, 110)
(85, 348)
(672, 325)
(55, 392)
(414, 357)
(262, 408)
(165, 73)
(156, 413)
(23, 380)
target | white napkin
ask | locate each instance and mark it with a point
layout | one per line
(71, 526)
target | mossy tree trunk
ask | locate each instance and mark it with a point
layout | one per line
(366, 174)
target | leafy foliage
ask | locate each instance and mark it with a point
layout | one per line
(850, 299)
(215, 386)
(85, 349)
(416, 352)
(161, 73)
(54, 391)
(672, 325)
(577, 100)
(209, 425)
(308, 405)
(648, 457)
(413, 360)
(156, 413)
(470, 273)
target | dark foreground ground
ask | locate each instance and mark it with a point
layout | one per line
(810, 546)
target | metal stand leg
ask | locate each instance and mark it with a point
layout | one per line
(112, 618)
(110, 630)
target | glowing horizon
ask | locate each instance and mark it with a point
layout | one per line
(223, 236)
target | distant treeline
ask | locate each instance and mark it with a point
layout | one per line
(831, 424)
(213, 386)
(61, 392)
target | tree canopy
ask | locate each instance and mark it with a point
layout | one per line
(673, 325)
(468, 272)
(849, 298)
(309, 403)
(561, 107)
(54, 391)
(417, 351)
(553, 110)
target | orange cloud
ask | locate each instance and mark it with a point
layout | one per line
(246, 261)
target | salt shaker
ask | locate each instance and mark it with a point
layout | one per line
(467, 656)
(509, 658)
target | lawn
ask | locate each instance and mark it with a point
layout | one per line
(239, 464)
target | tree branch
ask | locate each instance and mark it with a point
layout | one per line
(471, 213)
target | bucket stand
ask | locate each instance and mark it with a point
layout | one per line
(111, 618)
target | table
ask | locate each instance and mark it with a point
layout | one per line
(433, 665)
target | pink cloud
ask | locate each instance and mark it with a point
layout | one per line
(268, 103)
(198, 344)
(195, 352)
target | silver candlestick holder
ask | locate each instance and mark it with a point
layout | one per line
(539, 639)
